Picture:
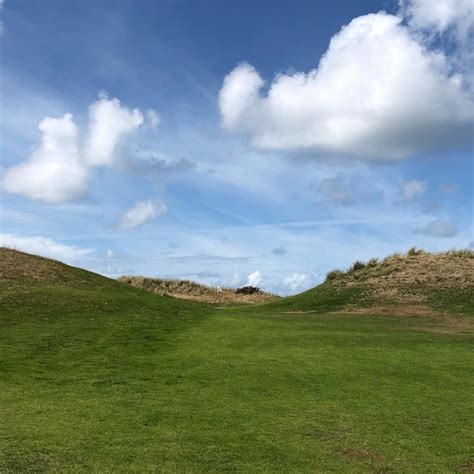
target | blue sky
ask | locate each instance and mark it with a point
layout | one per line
(262, 142)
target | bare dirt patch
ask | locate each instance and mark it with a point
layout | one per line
(468, 467)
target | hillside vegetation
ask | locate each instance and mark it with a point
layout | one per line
(98, 376)
(20, 268)
(190, 290)
(415, 283)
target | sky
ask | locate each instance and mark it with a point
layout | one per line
(241, 142)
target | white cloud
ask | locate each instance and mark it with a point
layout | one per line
(109, 125)
(54, 171)
(441, 228)
(239, 96)
(297, 282)
(43, 246)
(141, 212)
(2, 2)
(153, 118)
(58, 170)
(413, 189)
(440, 16)
(377, 93)
(446, 25)
(254, 279)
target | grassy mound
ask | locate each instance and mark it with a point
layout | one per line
(97, 376)
(190, 290)
(22, 268)
(417, 282)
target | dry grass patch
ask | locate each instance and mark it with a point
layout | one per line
(410, 278)
(190, 290)
(22, 267)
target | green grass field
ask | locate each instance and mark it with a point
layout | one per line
(101, 377)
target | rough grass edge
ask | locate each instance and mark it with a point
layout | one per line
(359, 265)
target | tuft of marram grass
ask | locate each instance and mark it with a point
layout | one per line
(357, 265)
(373, 262)
(334, 275)
(414, 251)
(467, 253)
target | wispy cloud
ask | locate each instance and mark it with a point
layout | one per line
(343, 190)
(140, 213)
(297, 282)
(254, 278)
(44, 246)
(455, 17)
(2, 2)
(413, 189)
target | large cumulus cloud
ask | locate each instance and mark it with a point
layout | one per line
(378, 92)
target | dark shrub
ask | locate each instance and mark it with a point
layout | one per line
(247, 290)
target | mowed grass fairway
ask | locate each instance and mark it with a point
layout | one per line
(107, 378)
